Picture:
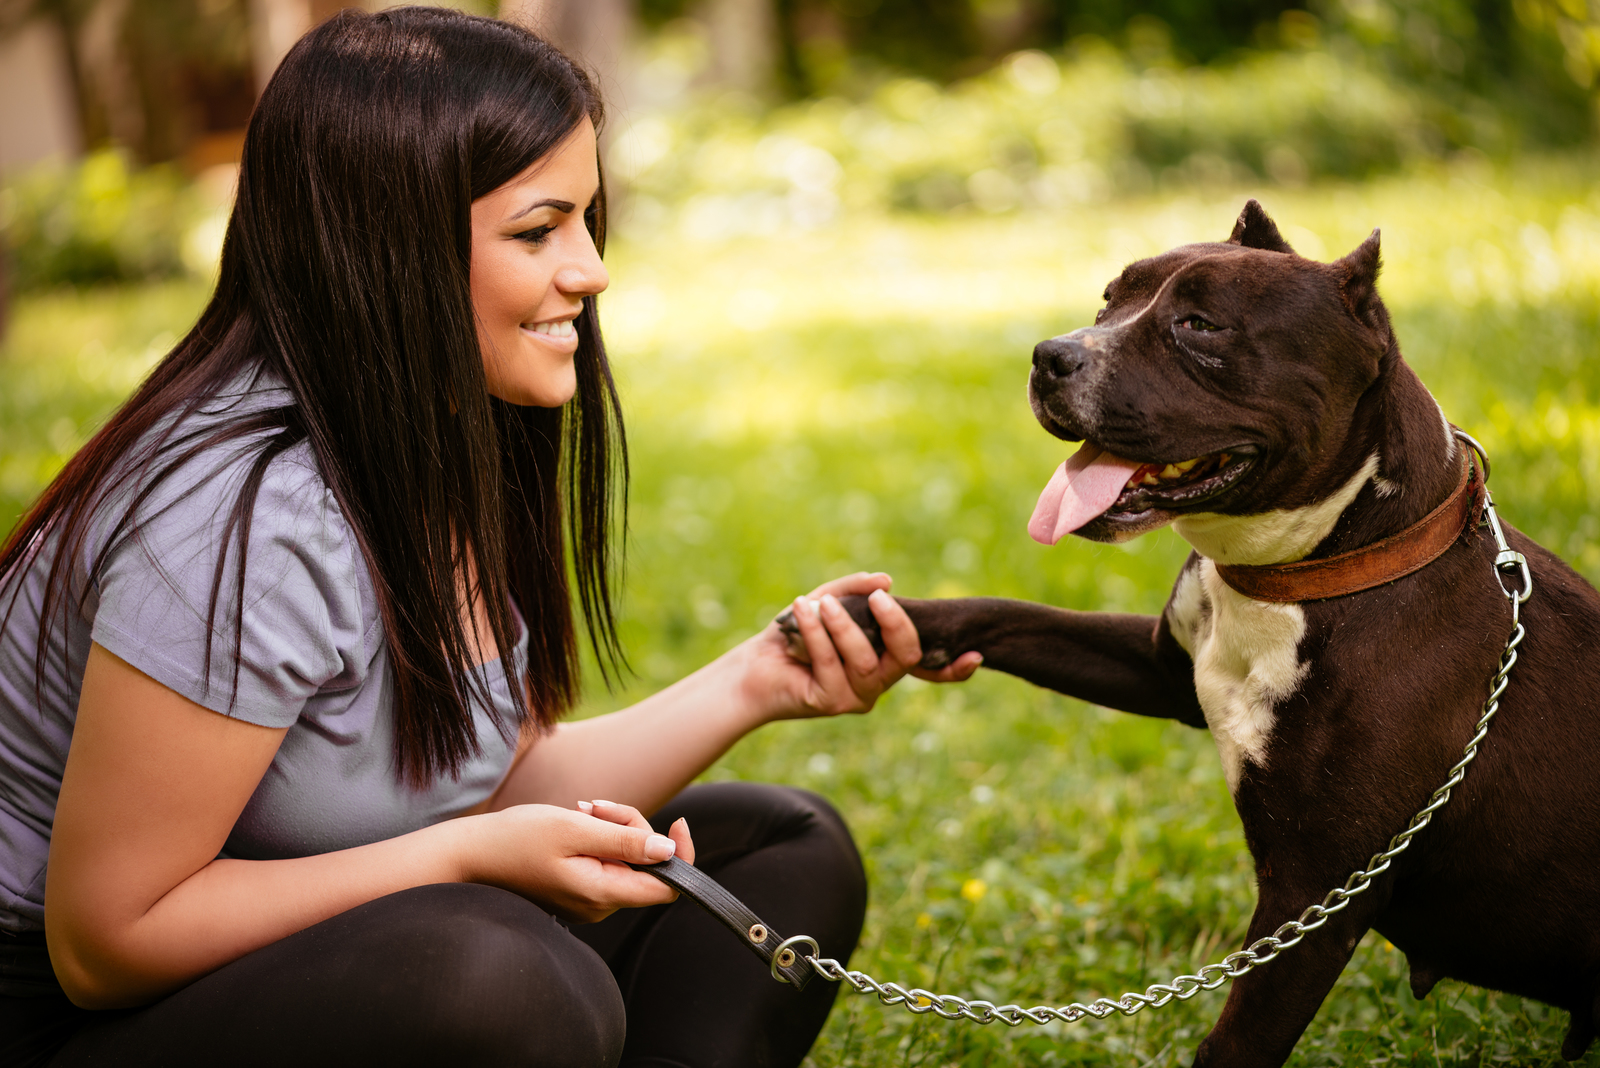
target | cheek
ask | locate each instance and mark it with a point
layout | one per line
(506, 288)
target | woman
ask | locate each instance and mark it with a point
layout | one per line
(305, 599)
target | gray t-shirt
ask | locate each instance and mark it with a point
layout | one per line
(313, 659)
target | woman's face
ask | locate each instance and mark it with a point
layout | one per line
(533, 262)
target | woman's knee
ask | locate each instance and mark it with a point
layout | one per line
(486, 977)
(450, 974)
(802, 830)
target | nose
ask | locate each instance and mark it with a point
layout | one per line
(584, 274)
(1059, 357)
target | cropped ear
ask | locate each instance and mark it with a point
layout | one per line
(1358, 284)
(1256, 230)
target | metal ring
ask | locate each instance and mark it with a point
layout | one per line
(1472, 443)
(787, 946)
(758, 934)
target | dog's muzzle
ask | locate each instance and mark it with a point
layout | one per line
(1059, 358)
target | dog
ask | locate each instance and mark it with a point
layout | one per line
(1257, 402)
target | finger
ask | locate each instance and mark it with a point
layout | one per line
(679, 833)
(900, 639)
(860, 582)
(959, 670)
(860, 659)
(632, 845)
(612, 812)
(827, 673)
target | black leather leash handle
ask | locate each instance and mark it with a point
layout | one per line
(710, 895)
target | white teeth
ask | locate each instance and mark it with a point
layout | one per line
(559, 329)
(1170, 471)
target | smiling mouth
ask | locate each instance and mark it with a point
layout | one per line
(563, 328)
(1183, 484)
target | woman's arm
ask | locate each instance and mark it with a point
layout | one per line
(645, 754)
(137, 905)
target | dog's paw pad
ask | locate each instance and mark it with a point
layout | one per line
(794, 644)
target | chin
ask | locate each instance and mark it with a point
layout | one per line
(546, 387)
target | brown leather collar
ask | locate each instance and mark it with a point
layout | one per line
(1372, 565)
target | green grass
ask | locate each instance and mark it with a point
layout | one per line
(853, 398)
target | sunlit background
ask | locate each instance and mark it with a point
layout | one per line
(841, 225)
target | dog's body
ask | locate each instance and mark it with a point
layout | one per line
(1335, 719)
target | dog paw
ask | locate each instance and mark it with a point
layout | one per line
(858, 610)
(793, 643)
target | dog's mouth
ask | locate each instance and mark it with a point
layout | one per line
(1096, 483)
(1181, 484)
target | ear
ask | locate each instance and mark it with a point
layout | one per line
(1358, 285)
(1256, 230)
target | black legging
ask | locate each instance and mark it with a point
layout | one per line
(468, 975)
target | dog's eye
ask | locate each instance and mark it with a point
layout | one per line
(1195, 322)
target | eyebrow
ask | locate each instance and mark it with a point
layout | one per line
(563, 206)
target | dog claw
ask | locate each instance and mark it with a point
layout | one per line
(794, 644)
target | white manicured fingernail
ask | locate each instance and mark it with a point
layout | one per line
(830, 600)
(584, 806)
(600, 802)
(659, 847)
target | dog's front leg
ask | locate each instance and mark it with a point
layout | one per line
(1126, 662)
(1268, 1009)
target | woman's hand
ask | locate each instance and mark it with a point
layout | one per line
(575, 864)
(845, 673)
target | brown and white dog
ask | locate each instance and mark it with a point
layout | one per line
(1257, 402)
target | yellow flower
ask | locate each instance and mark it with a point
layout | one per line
(974, 889)
(924, 920)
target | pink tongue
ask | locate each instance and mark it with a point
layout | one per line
(1082, 488)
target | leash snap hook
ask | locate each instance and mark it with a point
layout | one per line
(1506, 559)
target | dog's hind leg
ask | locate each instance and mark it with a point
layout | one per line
(1582, 1031)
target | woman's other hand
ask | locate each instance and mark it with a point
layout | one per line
(845, 673)
(575, 864)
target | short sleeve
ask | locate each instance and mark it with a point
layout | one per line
(303, 628)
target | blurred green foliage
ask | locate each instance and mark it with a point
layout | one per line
(1536, 58)
(95, 221)
(1034, 132)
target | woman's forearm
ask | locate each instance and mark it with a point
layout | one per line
(641, 755)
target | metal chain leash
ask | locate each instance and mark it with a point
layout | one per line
(1263, 950)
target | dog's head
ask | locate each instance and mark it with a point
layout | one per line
(1218, 378)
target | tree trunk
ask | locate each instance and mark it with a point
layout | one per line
(744, 42)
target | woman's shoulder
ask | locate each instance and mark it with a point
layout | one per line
(232, 540)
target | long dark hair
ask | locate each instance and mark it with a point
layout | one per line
(345, 273)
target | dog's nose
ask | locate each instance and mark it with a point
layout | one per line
(1058, 357)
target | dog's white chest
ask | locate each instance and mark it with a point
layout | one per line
(1246, 661)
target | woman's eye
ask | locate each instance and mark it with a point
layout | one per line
(534, 237)
(1195, 322)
